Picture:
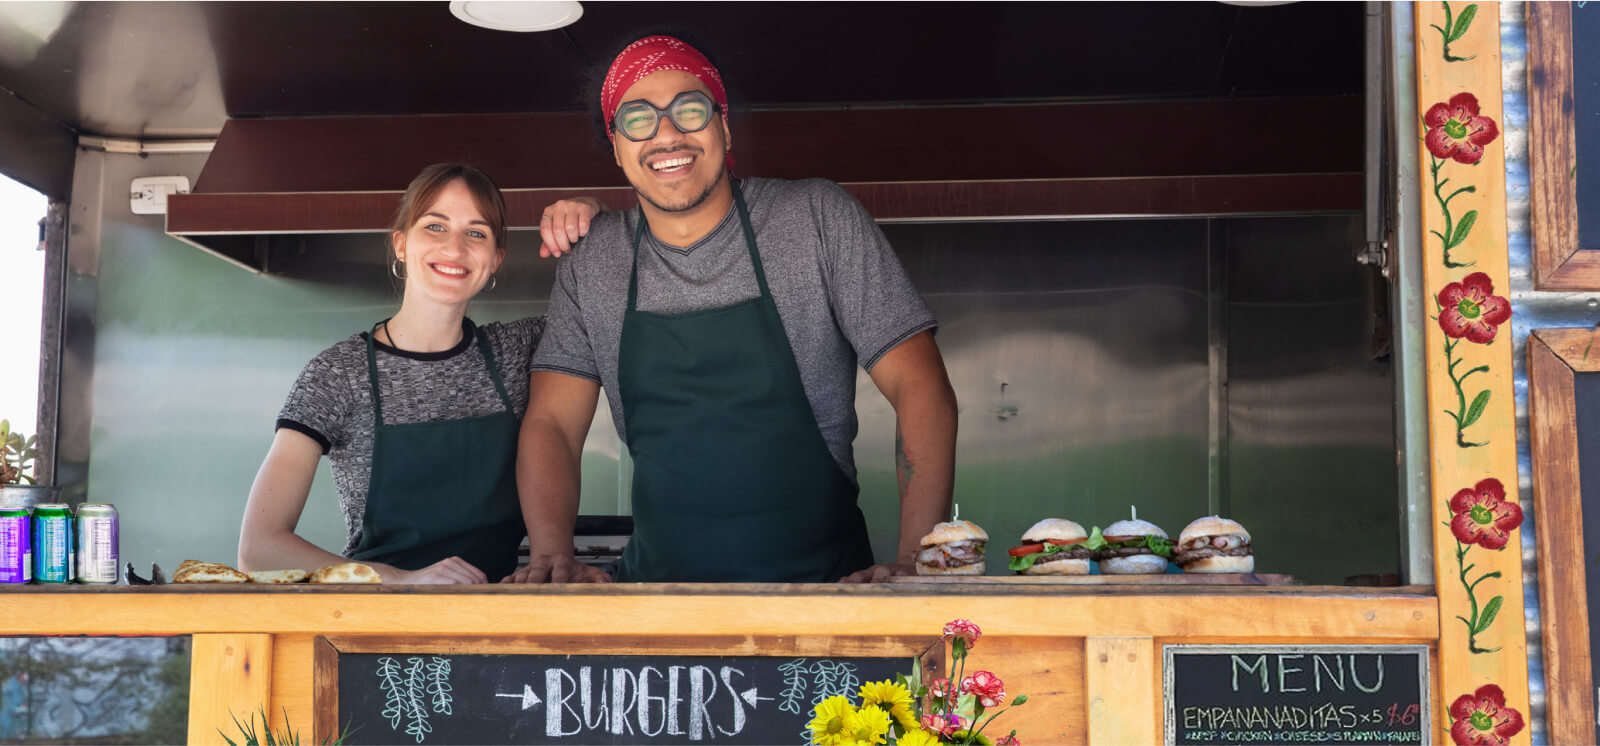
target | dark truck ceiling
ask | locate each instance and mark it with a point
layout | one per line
(179, 70)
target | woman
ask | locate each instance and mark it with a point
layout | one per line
(419, 416)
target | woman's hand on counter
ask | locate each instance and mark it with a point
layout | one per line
(450, 570)
(559, 568)
(879, 573)
(564, 222)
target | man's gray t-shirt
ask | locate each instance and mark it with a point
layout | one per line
(840, 291)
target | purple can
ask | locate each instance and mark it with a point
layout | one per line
(16, 544)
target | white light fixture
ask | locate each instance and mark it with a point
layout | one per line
(517, 15)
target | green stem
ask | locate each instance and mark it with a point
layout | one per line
(1461, 395)
(1434, 164)
(1472, 597)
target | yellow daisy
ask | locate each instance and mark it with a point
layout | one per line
(867, 726)
(828, 727)
(918, 737)
(893, 697)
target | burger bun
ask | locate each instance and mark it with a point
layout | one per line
(1139, 564)
(1059, 529)
(1058, 567)
(1222, 564)
(954, 531)
(1212, 526)
(1133, 527)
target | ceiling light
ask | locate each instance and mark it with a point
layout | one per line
(517, 15)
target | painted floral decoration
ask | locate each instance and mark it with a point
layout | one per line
(1470, 309)
(1481, 515)
(1482, 718)
(1456, 130)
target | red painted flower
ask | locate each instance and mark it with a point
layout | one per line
(1482, 516)
(1482, 718)
(1456, 131)
(1471, 309)
(987, 687)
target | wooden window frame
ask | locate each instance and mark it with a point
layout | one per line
(1555, 357)
(1559, 263)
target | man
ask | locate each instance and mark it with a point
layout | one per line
(725, 319)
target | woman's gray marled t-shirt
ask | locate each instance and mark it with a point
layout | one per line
(839, 288)
(332, 399)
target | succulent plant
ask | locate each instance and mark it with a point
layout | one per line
(17, 455)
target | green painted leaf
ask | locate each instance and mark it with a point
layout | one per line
(1463, 228)
(1463, 22)
(1490, 611)
(1476, 410)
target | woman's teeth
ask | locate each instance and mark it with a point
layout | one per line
(452, 271)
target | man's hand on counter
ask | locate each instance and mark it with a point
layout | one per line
(560, 568)
(879, 573)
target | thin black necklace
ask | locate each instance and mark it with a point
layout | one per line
(392, 343)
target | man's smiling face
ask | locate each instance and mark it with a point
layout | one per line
(673, 171)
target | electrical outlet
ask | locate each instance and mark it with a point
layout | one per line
(149, 194)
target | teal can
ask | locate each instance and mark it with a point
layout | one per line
(53, 546)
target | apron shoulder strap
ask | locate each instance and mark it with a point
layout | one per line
(487, 350)
(372, 377)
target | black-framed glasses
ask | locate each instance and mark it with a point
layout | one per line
(689, 111)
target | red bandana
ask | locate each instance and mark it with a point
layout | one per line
(653, 54)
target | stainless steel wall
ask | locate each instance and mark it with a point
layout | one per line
(1084, 355)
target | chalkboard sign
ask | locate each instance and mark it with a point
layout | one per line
(1586, 396)
(1328, 694)
(592, 699)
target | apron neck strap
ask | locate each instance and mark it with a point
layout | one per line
(484, 348)
(749, 243)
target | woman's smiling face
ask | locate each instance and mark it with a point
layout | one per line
(449, 251)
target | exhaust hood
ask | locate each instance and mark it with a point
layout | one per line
(269, 178)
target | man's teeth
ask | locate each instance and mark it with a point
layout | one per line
(672, 163)
(455, 271)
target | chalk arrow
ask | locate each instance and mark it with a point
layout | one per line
(750, 696)
(529, 699)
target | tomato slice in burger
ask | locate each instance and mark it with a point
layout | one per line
(1063, 542)
(1026, 549)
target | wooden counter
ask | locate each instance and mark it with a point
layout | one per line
(1077, 651)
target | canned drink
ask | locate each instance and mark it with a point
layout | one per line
(97, 543)
(16, 544)
(53, 548)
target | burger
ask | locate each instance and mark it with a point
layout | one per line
(953, 548)
(1054, 546)
(1215, 544)
(1131, 547)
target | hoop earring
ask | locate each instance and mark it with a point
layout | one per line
(493, 281)
(394, 268)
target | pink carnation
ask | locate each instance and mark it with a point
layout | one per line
(963, 629)
(944, 725)
(939, 687)
(987, 687)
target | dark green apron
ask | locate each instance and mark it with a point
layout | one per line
(732, 480)
(444, 488)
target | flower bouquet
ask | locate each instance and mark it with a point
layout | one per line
(909, 712)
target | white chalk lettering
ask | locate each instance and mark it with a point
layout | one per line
(1336, 672)
(673, 700)
(621, 700)
(738, 706)
(1283, 672)
(1261, 663)
(1355, 676)
(699, 697)
(558, 703)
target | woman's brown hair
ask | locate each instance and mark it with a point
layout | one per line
(426, 187)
